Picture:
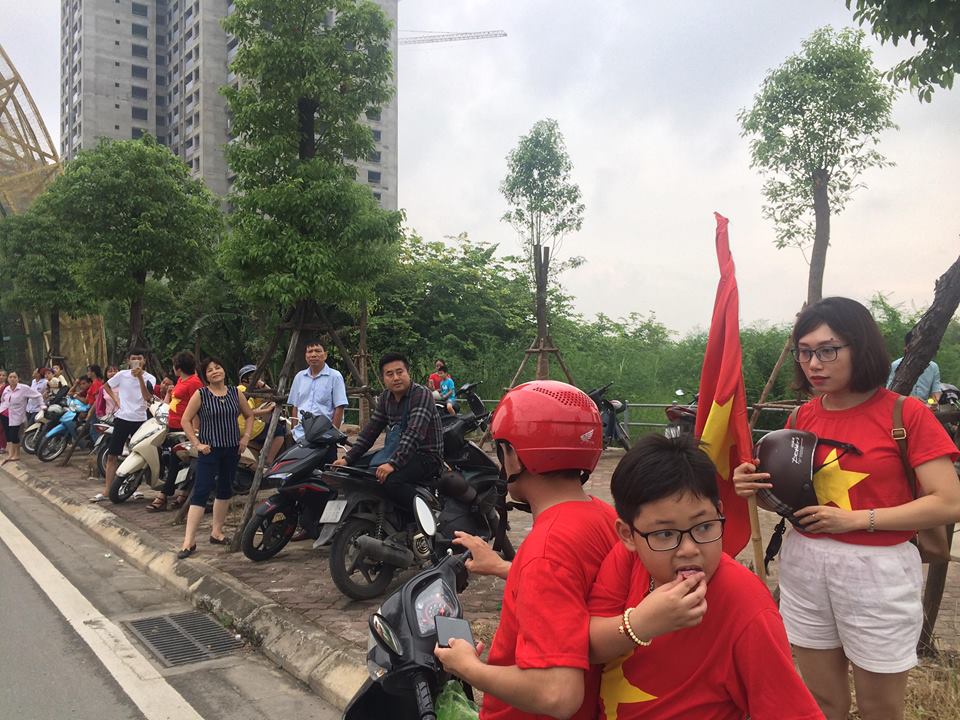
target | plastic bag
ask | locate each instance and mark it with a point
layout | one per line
(452, 703)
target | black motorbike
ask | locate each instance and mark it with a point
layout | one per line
(614, 430)
(405, 675)
(682, 419)
(302, 493)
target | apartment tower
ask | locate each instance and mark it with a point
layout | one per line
(131, 67)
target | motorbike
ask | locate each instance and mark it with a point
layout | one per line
(682, 418)
(302, 493)
(614, 431)
(405, 676)
(72, 427)
(104, 428)
(45, 420)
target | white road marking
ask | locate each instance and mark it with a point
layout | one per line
(156, 698)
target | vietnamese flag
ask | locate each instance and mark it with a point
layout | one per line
(722, 407)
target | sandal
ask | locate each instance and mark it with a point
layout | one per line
(178, 501)
(187, 552)
(158, 505)
(225, 540)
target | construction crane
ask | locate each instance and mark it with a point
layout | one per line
(442, 37)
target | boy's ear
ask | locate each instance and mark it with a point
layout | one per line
(720, 506)
(625, 534)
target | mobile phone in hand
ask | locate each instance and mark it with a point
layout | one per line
(449, 628)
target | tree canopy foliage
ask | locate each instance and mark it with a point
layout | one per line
(301, 227)
(126, 211)
(814, 128)
(935, 24)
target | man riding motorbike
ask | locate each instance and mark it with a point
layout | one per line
(413, 447)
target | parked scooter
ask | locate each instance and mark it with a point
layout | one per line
(405, 676)
(302, 493)
(104, 428)
(44, 422)
(146, 462)
(682, 418)
(614, 431)
(72, 427)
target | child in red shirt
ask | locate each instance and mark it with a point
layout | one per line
(548, 439)
(685, 631)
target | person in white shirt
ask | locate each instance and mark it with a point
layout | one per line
(13, 402)
(132, 391)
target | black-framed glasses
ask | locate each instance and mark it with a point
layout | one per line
(828, 353)
(669, 538)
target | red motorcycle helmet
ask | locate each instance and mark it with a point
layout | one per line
(551, 426)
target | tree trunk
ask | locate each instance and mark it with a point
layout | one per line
(821, 240)
(929, 330)
(55, 331)
(306, 113)
(136, 313)
(541, 257)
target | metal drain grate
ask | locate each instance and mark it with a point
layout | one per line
(184, 638)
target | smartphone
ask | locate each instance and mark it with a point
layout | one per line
(449, 628)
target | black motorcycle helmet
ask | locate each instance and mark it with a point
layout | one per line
(788, 455)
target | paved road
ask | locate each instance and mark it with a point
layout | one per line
(62, 645)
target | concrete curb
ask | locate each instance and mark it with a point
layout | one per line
(332, 667)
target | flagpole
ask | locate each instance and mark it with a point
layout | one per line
(755, 539)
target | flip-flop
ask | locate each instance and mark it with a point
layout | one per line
(225, 540)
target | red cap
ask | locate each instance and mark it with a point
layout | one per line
(551, 425)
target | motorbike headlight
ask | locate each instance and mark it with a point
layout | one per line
(144, 432)
(280, 476)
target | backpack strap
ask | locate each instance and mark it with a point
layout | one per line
(899, 435)
(792, 420)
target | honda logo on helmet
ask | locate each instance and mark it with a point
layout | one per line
(587, 436)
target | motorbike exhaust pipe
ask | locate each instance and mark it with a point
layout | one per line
(381, 551)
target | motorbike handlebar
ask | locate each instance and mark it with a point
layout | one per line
(424, 698)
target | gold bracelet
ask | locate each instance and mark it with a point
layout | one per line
(626, 629)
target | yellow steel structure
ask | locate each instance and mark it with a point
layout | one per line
(28, 158)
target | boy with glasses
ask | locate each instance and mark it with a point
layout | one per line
(684, 630)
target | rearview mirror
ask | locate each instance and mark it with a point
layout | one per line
(385, 635)
(425, 518)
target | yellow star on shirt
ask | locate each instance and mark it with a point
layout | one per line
(832, 483)
(616, 690)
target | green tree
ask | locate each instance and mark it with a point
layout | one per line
(128, 211)
(545, 206)
(39, 270)
(302, 227)
(935, 23)
(814, 127)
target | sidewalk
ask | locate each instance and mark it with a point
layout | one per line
(288, 605)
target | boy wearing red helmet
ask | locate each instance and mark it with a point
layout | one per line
(548, 437)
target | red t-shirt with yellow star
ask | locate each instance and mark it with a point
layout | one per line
(876, 478)
(736, 663)
(544, 622)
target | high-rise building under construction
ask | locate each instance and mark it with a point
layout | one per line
(131, 67)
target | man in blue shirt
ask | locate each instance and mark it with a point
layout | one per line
(928, 384)
(319, 390)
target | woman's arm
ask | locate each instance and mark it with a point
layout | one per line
(187, 422)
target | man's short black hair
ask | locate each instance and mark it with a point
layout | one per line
(658, 467)
(137, 351)
(313, 342)
(856, 327)
(185, 362)
(392, 357)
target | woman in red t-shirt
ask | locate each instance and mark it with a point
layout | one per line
(188, 382)
(849, 580)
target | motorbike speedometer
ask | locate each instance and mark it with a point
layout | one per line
(435, 599)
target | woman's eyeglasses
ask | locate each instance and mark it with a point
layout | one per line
(824, 354)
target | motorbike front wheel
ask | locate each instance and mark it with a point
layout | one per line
(31, 440)
(51, 448)
(266, 535)
(102, 458)
(355, 575)
(124, 486)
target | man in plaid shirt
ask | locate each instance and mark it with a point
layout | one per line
(408, 412)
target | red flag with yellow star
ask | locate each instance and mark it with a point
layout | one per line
(722, 408)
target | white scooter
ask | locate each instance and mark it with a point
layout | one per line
(147, 458)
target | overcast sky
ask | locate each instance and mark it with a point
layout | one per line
(646, 94)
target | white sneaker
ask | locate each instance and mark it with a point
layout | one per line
(98, 498)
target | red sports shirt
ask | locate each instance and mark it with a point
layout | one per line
(182, 392)
(544, 621)
(734, 664)
(93, 390)
(876, 478)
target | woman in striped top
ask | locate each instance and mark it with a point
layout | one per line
(214, 410)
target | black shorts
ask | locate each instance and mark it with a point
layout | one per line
(11, 431)
(122, 431)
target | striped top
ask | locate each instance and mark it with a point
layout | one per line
(218, 418)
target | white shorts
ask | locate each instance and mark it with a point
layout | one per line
(863, 598)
